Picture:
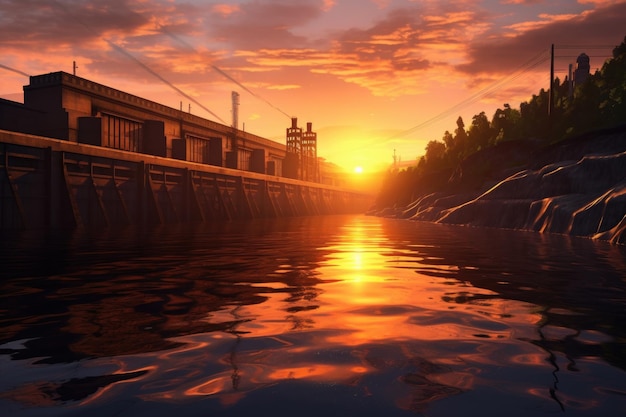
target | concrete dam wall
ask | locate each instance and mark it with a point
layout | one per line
(47, 183)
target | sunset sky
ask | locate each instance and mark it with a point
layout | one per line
(373, 76)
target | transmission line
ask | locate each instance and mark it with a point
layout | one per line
(157, 75)
(223, 73)
(581, 46)
(531, 64)
(137, 61)
(14, 70)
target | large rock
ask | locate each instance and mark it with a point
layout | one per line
(577, 187)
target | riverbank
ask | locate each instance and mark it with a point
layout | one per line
(575, 187)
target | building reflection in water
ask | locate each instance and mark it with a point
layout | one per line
(391, 312)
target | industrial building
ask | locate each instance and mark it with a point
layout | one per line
(80, 154)
(63, 106)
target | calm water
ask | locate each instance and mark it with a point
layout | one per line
(338, 315)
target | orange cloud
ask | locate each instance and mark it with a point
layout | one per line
(328, 5)
(416, 56)
(224, 9)
(284, 87)
(546, 20)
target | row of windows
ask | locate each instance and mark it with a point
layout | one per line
(120, 133)
(197, 150)
(126, 134)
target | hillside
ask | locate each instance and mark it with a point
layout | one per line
(575, 187)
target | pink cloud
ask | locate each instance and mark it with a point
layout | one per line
(261, 25)
(405, 51)
(382, 4)
(523, 1)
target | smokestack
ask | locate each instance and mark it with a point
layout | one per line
(309, 126)
(235, 98)
(294, 122)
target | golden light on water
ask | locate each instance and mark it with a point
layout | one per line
(332, 322)
(368, 296)
(360, 307)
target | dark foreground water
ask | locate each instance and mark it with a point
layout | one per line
(327, 316)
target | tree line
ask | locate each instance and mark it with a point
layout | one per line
(599, 102)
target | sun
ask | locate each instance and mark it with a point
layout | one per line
(358, 170)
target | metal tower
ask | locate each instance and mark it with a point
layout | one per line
(294, 144)
(309, 154)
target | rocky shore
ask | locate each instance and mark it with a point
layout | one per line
(575, 187)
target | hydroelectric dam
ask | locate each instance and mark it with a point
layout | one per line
(80, 154)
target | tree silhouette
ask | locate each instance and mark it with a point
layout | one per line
(435, 153)
(599, 102)
(505, 124)
(480, 134)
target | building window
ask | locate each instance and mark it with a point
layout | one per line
(278, 165)
(197, 149)
(244, 159)
(121, 133)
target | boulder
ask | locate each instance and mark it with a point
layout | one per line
(576, 187)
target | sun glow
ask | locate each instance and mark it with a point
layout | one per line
(358, 170)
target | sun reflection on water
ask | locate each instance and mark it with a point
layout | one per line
(388, 314)
(368, 295)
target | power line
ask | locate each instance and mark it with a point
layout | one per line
(248, 90)
(14, 70)
(583, 46)
(576, 56)
(140, 63)
(531, 64)
(534, 62)
(223, 73)
(172, 86)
